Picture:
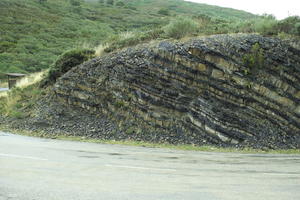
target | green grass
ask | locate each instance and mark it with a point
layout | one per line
(33, 35)
(181, 27)
(19, 102)
(152, 145)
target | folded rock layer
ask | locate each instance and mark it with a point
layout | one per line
(212, 90)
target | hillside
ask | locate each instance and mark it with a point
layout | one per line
(234, 90)
(33, 34)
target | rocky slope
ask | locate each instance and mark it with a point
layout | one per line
(214, 90)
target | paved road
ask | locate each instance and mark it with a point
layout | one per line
(43, 169)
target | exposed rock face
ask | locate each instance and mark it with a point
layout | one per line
(198, 92)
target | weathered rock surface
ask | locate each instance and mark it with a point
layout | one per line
(197, 92)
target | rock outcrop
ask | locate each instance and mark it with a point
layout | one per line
(196, 92)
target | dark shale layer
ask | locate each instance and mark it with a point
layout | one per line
(196, 92)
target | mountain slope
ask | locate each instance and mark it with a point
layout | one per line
(190, 8)
(33, 34)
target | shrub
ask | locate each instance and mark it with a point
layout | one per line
(42, 1)
(131, 7)
(290, 25)
(296, 29)
(66, 62)
(120, 4)
(266, 26)
(181, 27)
(110, 2)
(5, 46)
(75, 2)
(164, 11)
(255, 59)
(127, 39)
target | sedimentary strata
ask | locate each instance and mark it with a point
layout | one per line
(197, 92)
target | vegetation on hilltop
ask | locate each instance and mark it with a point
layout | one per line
(33, 33)
(66, 62)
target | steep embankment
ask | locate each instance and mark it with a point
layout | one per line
(229, 90)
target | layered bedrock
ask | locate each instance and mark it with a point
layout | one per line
(226, 90)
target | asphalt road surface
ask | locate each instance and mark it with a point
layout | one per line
(44, 169)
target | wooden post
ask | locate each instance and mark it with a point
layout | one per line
(8, 82)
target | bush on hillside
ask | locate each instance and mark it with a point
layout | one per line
(127, 39)
(110, 2)
(75, 2)
(290, 25)
(164, 11)
(120, 4)
(130, 7)
(297, 29)
(42, 1)
(267, 25)
(254, 60)
(181, 27)
(66, 62)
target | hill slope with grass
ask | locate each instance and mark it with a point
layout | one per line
(33, 33)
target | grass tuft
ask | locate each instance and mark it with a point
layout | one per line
(19, 101)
